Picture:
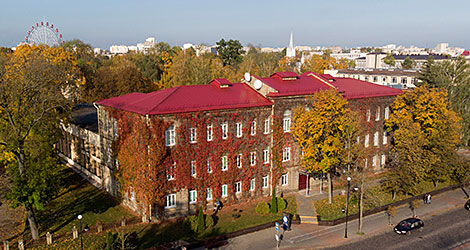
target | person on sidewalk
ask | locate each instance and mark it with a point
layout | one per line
(429, 199)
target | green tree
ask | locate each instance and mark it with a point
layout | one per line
(425, 134)
(36, 94)
(408, 63)
(274, 201)
(201, 226)
(427, 74)
(322, 132)
(230, 52)
(389, 60)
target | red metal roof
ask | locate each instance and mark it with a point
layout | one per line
(303, 85)
(355, 89)
(189, 98)
(286, 74)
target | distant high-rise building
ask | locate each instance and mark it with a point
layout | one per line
(291, 50)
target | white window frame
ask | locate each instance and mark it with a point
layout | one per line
(224, 131)
(209, 132)
(192, 135)
(192, 196)
(209, 168)
(368, 115)
(265, 181)
(170, 135)
(384, 138)
(115, 128)
(377, 114)
(376, 138)
(382, 160)
(253, 158)
(193, 168)
(387, 113)
(286, 154)
(171, 174)
(286, 124)
(170, 201)
(224, 163)
(239, 160)
(252, 184)
(284, 179)
(239, 129)
(265, 156)
(366, 140)
(208, 194)
(266, 126)
(374, 160)
(224, 190)
(238, 187)
(253, 128)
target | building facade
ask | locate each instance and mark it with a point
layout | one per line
(222, 139)
(396, 78)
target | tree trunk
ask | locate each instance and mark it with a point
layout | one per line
(32, 222)
(330, 188)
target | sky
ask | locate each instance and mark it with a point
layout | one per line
(265, 23)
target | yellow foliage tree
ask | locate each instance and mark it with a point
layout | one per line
(324, 132)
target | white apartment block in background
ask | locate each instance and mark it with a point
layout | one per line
(397, 78)
(118, 49)
(140, 47)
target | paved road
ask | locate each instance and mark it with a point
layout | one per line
(447, 231)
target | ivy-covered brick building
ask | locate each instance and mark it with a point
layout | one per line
(170, 151)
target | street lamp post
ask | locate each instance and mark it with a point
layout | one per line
(81, 238)
(347, 204)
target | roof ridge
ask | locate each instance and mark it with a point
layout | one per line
(163, 99)
(322, 80)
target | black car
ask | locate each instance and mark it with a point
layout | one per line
(467, 205)
(408, 225)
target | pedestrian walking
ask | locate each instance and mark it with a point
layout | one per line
(429, 199)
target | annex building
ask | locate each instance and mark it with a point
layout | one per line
(222, 138)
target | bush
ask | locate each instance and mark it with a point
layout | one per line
(191, 223)
(209, 221)
(281, 204)
(274, 208)
(201, 225)
(262, 208)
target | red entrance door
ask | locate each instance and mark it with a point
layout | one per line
(302, 181)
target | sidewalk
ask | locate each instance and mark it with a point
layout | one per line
(308, 236)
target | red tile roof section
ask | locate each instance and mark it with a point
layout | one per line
(355, 89)
(286, 74)
(189, 98)
(303, 85)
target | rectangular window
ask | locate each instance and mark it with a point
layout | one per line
(394, 80)
(266, 126)
(266, 156)
(382, 161)
(376, 138)
(386, 113)
(252, 184)
(170, 175)
(239, 130)
(192, 135)
(377, 114)
(209, 194)
(224, 190)
(366, 140)
(365, 163)
(238, 187)
(238, 159)
(193, 168)
(384, 139)
(170, 201)
(253, 128)
(224, 131)
(286, 154)
(209, 132)
(265, 181)
(375, 78)
(284, 179)
(252, 158)
(115, 128)
(286, 125)
(209, 169)
(368, 115)
(404, 80)
(170, 136)
(224, 163)
(374, 161)
(192, 196)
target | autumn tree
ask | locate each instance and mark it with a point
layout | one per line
(319, 64)
(230, 52)
(322, 132)
(36, 94)
(259, 63)
(425, 133)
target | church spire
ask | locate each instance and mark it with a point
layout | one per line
(291, 50)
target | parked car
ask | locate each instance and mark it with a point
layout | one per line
(467, 205)
(408, 225)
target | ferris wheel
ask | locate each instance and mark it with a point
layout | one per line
(43, 33)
